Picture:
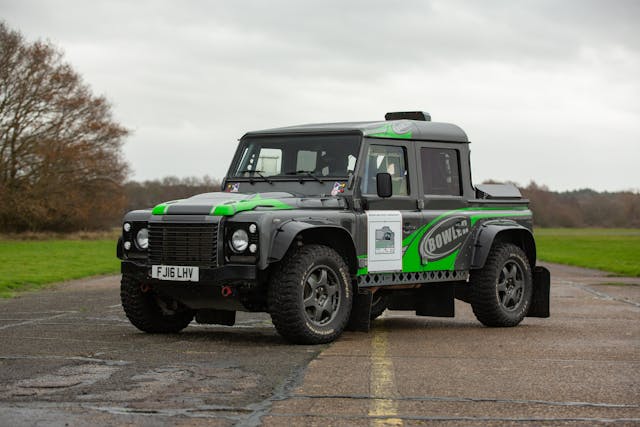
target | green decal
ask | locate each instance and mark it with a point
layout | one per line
(161, 209)
(388, 132)
(232, 208)
(412, 261)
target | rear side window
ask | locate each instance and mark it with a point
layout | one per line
(440, 171)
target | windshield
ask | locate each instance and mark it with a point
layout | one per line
(309, 157)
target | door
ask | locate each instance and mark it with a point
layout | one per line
(389, 220)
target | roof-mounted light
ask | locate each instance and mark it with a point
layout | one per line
(408, 115)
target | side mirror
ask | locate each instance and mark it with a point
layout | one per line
(384, 185)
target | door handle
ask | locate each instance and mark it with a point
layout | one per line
(408, 228)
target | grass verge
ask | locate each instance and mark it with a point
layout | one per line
(27, 265)
(615, 250)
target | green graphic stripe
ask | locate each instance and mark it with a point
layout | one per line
(412, 261)
(419, 232)
(162, 208)
(388, 132)
(232, 208)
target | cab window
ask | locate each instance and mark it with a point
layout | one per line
(440, 171)
(389, 159)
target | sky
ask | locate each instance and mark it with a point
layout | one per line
(546, 90)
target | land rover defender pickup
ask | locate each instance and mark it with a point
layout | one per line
(325, 226)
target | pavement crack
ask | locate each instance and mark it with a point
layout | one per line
(599, 294)
(586, 420)
(282, 392)
(468, 400)
(72, 358)
(40, 319)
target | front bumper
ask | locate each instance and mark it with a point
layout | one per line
(230, 274)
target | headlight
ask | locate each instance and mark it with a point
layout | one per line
(142, 238)
(239, 240)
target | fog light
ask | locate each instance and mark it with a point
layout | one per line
(127, 245)
(253, 248)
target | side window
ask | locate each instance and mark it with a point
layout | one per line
(385, 158)
(440, 171)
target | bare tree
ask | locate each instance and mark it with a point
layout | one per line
(61, 165)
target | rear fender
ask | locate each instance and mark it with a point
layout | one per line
(503, 231)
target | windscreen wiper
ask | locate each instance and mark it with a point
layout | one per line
(259, 173)
(308, 173)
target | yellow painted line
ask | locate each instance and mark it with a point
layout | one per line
(382, 382)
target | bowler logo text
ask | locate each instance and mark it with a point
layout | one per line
(444, 238)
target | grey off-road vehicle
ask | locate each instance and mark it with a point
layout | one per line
(325, 226)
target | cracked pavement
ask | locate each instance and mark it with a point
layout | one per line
(70, 357)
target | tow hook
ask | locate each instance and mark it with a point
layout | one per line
(145, 287)
(226, 291)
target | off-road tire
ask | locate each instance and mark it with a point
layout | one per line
(501, 291)
(292, 313)
(145, 313)
(378, 306)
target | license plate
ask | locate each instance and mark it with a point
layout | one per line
(179, 273)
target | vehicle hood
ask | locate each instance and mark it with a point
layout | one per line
(229, 204)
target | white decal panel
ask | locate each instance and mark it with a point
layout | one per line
(384, 241)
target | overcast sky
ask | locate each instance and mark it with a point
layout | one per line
(546, 90)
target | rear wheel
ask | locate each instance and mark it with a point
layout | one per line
(310, 295)
(151, 312)
(501, 291)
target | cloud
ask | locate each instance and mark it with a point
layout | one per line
(546, 90)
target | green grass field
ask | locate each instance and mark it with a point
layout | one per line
(613, 250)
(26, 265)
(30, 264)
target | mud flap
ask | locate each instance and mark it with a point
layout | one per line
(360, 319)
(541, 289)
(216, 317)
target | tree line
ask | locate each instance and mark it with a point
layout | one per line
(583, 208)
(578, 208)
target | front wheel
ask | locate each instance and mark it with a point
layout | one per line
(310, 295)
(501, 291)
(151, 312)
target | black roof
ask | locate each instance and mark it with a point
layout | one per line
(392, 129)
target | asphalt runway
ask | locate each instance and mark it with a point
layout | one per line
(68, 356)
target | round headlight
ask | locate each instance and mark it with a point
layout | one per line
(239, 240)
(142, 238)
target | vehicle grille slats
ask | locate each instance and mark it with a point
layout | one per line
(183, 244)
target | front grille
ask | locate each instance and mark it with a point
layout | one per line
(183, 244)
